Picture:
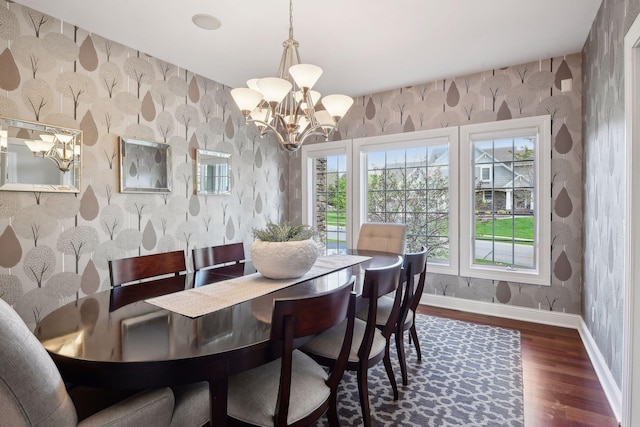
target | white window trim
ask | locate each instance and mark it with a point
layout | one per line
(308, 154)
(541, 275)
(408, 140)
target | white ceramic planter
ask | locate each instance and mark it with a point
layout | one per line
(283, 260)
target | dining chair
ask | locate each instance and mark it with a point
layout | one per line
(32, 391)
(370, 344)
(217, 255)
(126, 270)
(414, 264)
(294, 389)
(382, 237)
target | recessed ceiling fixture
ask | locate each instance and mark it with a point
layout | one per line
(206, 22)
(285, 104)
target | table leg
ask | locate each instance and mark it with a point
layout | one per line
(218, 400)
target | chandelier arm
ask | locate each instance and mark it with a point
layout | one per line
(311, 111)
(270, 127)
(317, 130)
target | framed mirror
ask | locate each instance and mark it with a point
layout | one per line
(213, 172)
(39, 157)
(145, 166)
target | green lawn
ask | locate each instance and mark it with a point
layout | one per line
(521, 228)
(501, 229)
(332, 218)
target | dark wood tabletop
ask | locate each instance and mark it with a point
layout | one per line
(114, 339)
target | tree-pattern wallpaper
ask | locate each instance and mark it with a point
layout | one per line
(604, 181)
(511, 92)
(54, 248)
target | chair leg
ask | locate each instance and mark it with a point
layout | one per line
(401, 357)
(392, 377)
(416, 343)
(332, 412)
(363, 389)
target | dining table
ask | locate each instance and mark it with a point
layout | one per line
(118, 339)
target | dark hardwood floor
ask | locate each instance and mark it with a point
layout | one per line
(560, 386)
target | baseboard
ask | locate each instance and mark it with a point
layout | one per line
(609, 385)
(573, 321)
(544, 317)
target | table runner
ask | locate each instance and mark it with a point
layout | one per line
(207, 299)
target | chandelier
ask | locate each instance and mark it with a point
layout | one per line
(59, 148)
(286, 105)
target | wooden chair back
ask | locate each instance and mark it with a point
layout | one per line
(127, 270)
(124, 295)
(217, 255)
(378, 282)
(297, 318)
(414, 263)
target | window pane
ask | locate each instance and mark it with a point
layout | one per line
(504, 213)
(416, 178)
(438, 177)
(330, 195)
(417, 156)
(412, 186)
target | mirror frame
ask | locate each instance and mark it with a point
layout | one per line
(199, 188)
(162, 174)
(75, 170)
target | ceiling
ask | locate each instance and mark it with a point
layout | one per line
(363, 46)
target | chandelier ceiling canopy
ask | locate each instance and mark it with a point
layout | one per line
(286, 105)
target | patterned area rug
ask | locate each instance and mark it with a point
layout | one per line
(470, 375)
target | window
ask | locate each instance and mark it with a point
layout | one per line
(326, 181)
(477, 196)
(412, 178)
(505, 213)
(485, 173)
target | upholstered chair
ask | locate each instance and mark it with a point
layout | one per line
(382, 237)
(414, 264)
(370, 344)
(32, 392)
(294, 389)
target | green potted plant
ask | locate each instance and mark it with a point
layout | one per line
(284, 251)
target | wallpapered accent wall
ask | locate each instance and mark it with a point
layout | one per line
(512, 92)
(605, 186)
(54, 247)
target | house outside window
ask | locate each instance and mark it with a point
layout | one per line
(505, 221)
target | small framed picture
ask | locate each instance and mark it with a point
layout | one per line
(145, 166)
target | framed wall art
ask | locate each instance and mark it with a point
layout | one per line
(145, 166)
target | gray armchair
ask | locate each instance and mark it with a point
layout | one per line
(32, 392)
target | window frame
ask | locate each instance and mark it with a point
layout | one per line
(402, 141)
(309, 153)
(541, 125)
